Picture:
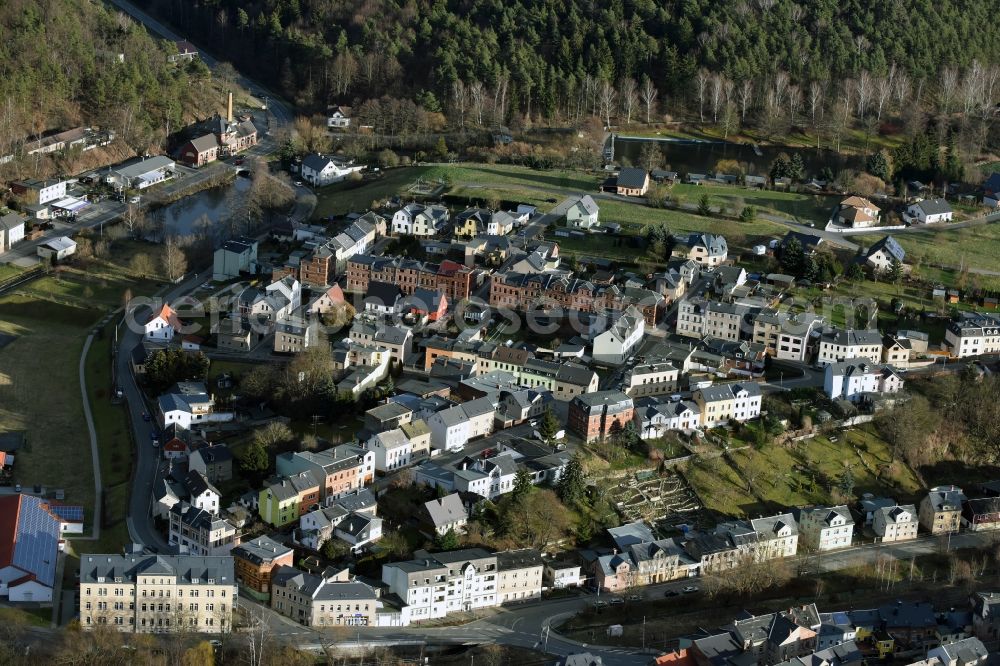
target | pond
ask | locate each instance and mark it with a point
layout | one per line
(218, 205)
(689, 156)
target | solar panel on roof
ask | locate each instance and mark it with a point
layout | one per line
(69, 513)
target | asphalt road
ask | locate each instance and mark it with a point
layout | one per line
(145, 468)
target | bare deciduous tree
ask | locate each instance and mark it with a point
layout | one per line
(173, 259)
(947, 89)
(606, 100)
(648, 95)
(863, 87)
(717, 94)
(794, 101)
(629, 98)
(134, 220)
(701, 81)
(477, 96)
(816, 93)
(745, 96)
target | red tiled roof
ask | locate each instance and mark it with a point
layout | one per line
(10, 509)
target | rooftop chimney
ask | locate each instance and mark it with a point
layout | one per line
(229, 108)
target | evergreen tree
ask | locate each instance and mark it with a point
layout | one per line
(573, 483)
(796, 168)
(894, 272)
(854, 273)
(447, 541)
(880, 165)
(846, 485)
(549, 425)
(522, 485)
(703, 205)
(254, 458)
(793, 257)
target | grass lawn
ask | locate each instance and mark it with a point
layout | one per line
(346, 197)
(475, 181)
(35, 617)
(776, 477)
(7, 271)
(40, 387)
(800, 207)
(973, 247)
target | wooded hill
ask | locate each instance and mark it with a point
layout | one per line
(546, 57)
(67, 63)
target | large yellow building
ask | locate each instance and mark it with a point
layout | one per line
(157, 593)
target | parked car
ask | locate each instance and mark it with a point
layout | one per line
(617, 601)
(634, 597)
(671, 593)
(690, 589)
(600, 604)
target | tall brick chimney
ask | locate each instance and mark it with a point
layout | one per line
(229, 108)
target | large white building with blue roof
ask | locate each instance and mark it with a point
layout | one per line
(29, 548)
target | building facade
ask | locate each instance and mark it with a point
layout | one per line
(157, 593)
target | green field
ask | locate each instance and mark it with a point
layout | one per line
(7, 271)
(973, 247)
(51, 317)
(799, 474)
(802, 208)
(346, 197)
(478, 181)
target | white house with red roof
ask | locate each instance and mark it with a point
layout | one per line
(162, 325)
(29, 548)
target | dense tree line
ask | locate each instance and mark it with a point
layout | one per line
(65, 63)
(569, 57)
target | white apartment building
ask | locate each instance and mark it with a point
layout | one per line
(418, 220)
(728, 402)
(690, 318)
(157, 593)
(654, 419)
(520, 575)
(826, 527)
(392, 450)
(975, 333)
(853, 378)
(895, 523)
(200, 531)
(723, 321)
(452, 428)
(615, 345)
(777, 536)
(786, 337)
(838, 345)
(650, 379)
(434, 585)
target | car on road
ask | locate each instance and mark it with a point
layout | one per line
(634, 597)
(600, 604)
(298, 183)
(617, 601)
(145, 416)
(690, 589)
(119, 393)
(135, 200)
(206, 285)
(671, 593)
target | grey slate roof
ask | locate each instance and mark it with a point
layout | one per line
(933, 206)
(631, 178)
(446, 510)
(185, 568)
(260, 550)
